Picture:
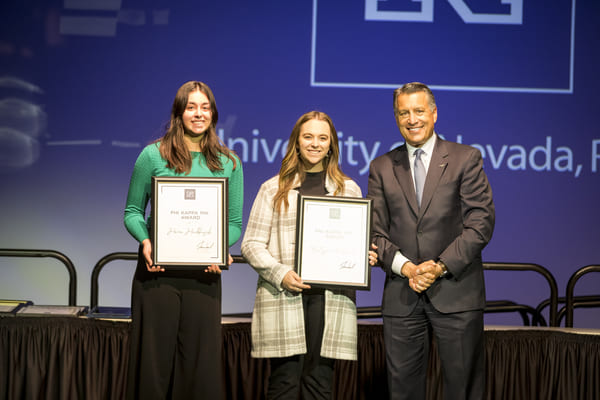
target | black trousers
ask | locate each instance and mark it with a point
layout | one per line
(176, 339)
(460, 343)
(305, 376)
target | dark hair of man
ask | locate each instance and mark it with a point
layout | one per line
(414, 87)
(172, 144)
(292, 164)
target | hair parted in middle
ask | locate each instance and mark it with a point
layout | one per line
(292, 164)
(173, 147)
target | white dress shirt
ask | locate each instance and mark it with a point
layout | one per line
(399, 258)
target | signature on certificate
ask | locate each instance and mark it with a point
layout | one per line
(347, 264)
(205, 244)
(201, 230)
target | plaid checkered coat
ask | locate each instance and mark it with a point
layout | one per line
(278, 318)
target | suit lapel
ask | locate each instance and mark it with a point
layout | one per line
(404, 177)
(437, 166)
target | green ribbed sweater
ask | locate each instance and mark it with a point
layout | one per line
(150, 163)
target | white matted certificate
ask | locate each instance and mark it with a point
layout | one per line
(189, 221)
(333, 240)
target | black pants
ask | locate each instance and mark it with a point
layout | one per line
(176, 339)
(306, 376)
(460, 343)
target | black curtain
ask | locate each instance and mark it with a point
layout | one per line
(62, 358)
(79, 358)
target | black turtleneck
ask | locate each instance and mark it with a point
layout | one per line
(314, 184)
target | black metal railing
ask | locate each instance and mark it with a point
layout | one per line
(94, 291)
(99, 266)
(52, 254)
(571, 302)
(537, 317)
(529, 314)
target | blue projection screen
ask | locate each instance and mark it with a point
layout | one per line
(84, 85)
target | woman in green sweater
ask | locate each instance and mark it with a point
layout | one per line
(175, 346)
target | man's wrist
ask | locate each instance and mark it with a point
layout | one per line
(443, 268)
(404, 270)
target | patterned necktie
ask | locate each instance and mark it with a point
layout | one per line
(419, 170)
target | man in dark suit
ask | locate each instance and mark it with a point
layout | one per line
(429, 239)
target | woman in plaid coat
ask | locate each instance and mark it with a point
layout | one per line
(301, 329)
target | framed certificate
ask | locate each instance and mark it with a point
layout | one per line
(189, 222)
(333, 240)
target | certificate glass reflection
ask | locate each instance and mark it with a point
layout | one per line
(189, 217)
(332, 241)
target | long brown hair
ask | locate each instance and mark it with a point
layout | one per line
(292, 164)
(173, 147)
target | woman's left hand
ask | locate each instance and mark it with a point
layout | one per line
(214, 269)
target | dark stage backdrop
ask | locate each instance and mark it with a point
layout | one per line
(85, 84)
